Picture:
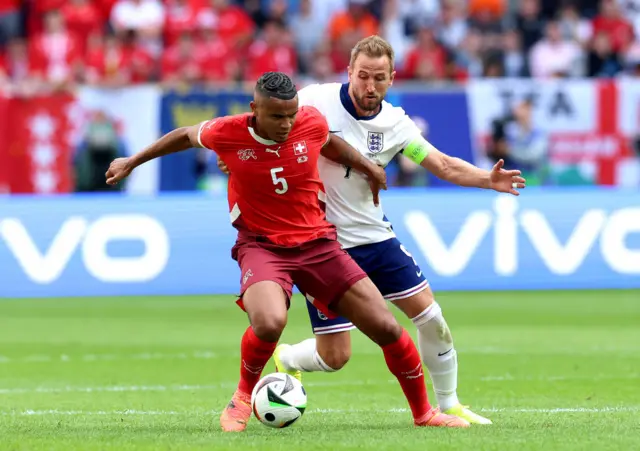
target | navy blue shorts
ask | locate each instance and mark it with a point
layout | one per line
(391, 268)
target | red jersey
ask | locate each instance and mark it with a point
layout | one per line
(274, 188)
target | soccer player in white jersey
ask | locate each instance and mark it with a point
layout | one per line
(357, 113)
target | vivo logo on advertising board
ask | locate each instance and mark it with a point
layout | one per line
(90, 239)
(606, 232)
(180, 244)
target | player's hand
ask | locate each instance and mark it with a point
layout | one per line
(377, 181)
(223, 167)
(119, 169)
(505, 181)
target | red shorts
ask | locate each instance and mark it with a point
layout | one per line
(320, 268)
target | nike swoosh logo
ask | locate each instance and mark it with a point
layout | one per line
(335, 131)
(440, 354)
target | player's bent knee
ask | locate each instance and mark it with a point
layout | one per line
(336, 358)
(386, 330)
(269, 328)
(416, 304)
(334, 349)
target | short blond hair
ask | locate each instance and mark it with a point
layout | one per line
(373, 47)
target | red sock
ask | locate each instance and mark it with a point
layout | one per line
(254, 355)
(404, 362)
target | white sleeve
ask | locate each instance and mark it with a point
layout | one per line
(307, 95)
(407, 131)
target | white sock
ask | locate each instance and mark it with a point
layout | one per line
(438, 354)
(304, 357)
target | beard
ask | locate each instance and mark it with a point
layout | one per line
(368, 104)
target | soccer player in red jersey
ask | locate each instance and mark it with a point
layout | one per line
(275, 196)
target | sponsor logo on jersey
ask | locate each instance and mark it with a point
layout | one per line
(302, 159)
(276, 151)
(375, 142)
(245, 154)
(300, 148)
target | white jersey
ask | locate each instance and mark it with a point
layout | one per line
(349, 200)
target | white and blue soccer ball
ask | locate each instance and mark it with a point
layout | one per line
(278, 400)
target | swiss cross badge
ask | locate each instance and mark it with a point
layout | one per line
(300, 148)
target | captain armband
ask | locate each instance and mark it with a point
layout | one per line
(417, 150)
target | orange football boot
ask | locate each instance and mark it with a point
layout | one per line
(436, 418)
(236, 415)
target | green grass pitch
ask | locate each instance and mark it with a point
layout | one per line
(554, 370)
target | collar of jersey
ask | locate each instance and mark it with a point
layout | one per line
(261, 140)
(348, 105)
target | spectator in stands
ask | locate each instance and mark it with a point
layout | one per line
(555, 56)
(603, 62)
(529, 21)
(486, 16)
(273, 51)
(117, 60)
(572, 25)
(221, 61)
(278, 10)
(630, 10)
(469, 56)
(82, 18)
(493, 65)
(56, 54)
(452, 25)
(416, 13)
(611, 22)
(393, 29)
(145, 17)
(631, 59)
(10, 26)
(321, 69)
(513, 59)
(427, 59)
(99, 147)
(356, 22)
(182, 65)
(106, 64)
(180, 17)
(231, 23)
(520, 144)
(307, 31)
(16, 70)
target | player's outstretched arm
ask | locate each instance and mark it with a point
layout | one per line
(175, 141)
(338, 150)
(462, 173)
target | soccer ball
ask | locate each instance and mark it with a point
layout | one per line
(278, 400)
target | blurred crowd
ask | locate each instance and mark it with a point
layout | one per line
(55, 44)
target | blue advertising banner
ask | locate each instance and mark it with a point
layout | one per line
(106, 245)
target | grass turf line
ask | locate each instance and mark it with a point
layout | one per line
(554, 370)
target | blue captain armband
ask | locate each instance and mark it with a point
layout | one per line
(417, 150)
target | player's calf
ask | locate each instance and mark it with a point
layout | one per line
(266, 306)
(364, 306)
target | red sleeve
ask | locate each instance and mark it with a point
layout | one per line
(318, 123)
(210, 133)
